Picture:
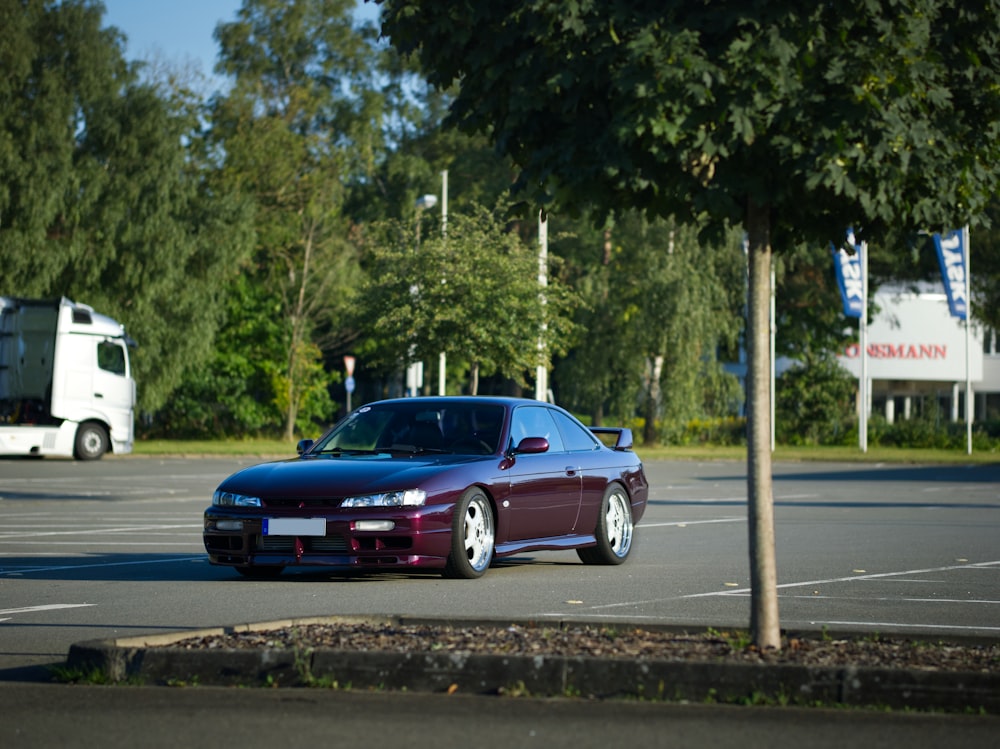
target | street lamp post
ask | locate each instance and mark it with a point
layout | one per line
(424, 202)
(541, 371)
(415, 370)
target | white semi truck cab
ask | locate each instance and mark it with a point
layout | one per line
(66, 386)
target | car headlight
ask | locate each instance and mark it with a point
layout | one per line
(232, 499)
(408, 498)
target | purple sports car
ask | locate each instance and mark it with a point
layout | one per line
(447, 483)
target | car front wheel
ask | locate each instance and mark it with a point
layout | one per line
(614, 530)
(472, 537)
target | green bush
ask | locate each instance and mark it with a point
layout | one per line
(932, 432)
(724, 431)
(815, 405)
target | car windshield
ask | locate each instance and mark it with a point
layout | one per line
(463, 428)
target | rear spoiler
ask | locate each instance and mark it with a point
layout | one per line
(617, 438)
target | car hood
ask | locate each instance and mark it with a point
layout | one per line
(341, 476)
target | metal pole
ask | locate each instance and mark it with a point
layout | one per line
(442, 357)
(542, 372)
(968, 342)
(863, 417)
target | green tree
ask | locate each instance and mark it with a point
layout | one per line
(59, 67)
(232, 395)
(789, 120)
(985, 260)
(815, 403)
(105, 196)
(659, 307)
(472, 294)
(602, 372)
(815, 398)
(809, 313)
(298, 125)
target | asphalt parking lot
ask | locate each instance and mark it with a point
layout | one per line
(113, 549)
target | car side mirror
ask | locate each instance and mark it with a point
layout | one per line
(304, 446)
(532, 445)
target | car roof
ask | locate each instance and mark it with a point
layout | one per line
(502, 400)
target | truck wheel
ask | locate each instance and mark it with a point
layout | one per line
(91, 442)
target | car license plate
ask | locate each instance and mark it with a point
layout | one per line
(294, 526)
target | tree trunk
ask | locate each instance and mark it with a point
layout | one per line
(654, 400)
(298, 334)
(290, 417)
(474, 379)
(764, 625)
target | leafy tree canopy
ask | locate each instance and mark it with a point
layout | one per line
(472, 294)
(876, 112)
(103, 195)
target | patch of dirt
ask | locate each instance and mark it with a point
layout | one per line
(601, 642)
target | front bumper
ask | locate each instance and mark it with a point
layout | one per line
(418, 538)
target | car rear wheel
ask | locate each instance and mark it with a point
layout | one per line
(614, 530)
(472, 537)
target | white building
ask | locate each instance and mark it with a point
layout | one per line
(917, 352)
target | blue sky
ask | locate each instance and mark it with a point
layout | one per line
(179, 31)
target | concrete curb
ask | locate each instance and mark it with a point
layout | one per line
(152, 660)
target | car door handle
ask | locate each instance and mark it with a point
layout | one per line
(572, 470)
(98, 395)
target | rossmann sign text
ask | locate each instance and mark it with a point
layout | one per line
(899, 351)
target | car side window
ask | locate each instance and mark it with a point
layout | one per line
(535, 421)
(576, 437)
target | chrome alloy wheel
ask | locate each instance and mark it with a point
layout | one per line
(479, 534)
(618, 523)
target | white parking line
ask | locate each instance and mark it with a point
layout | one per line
(715, 500)
(851, 578)
(748, 591)
(63, 567)
(46, 607)
(948, 601)
(146, 543)
(895, 626)
(683, 523)
(127, 529)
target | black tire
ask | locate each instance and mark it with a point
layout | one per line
(91, 441)
(473, 537)
(261, 572)
(614, 530)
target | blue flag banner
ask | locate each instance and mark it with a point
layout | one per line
(951, 254)
(848, 268)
